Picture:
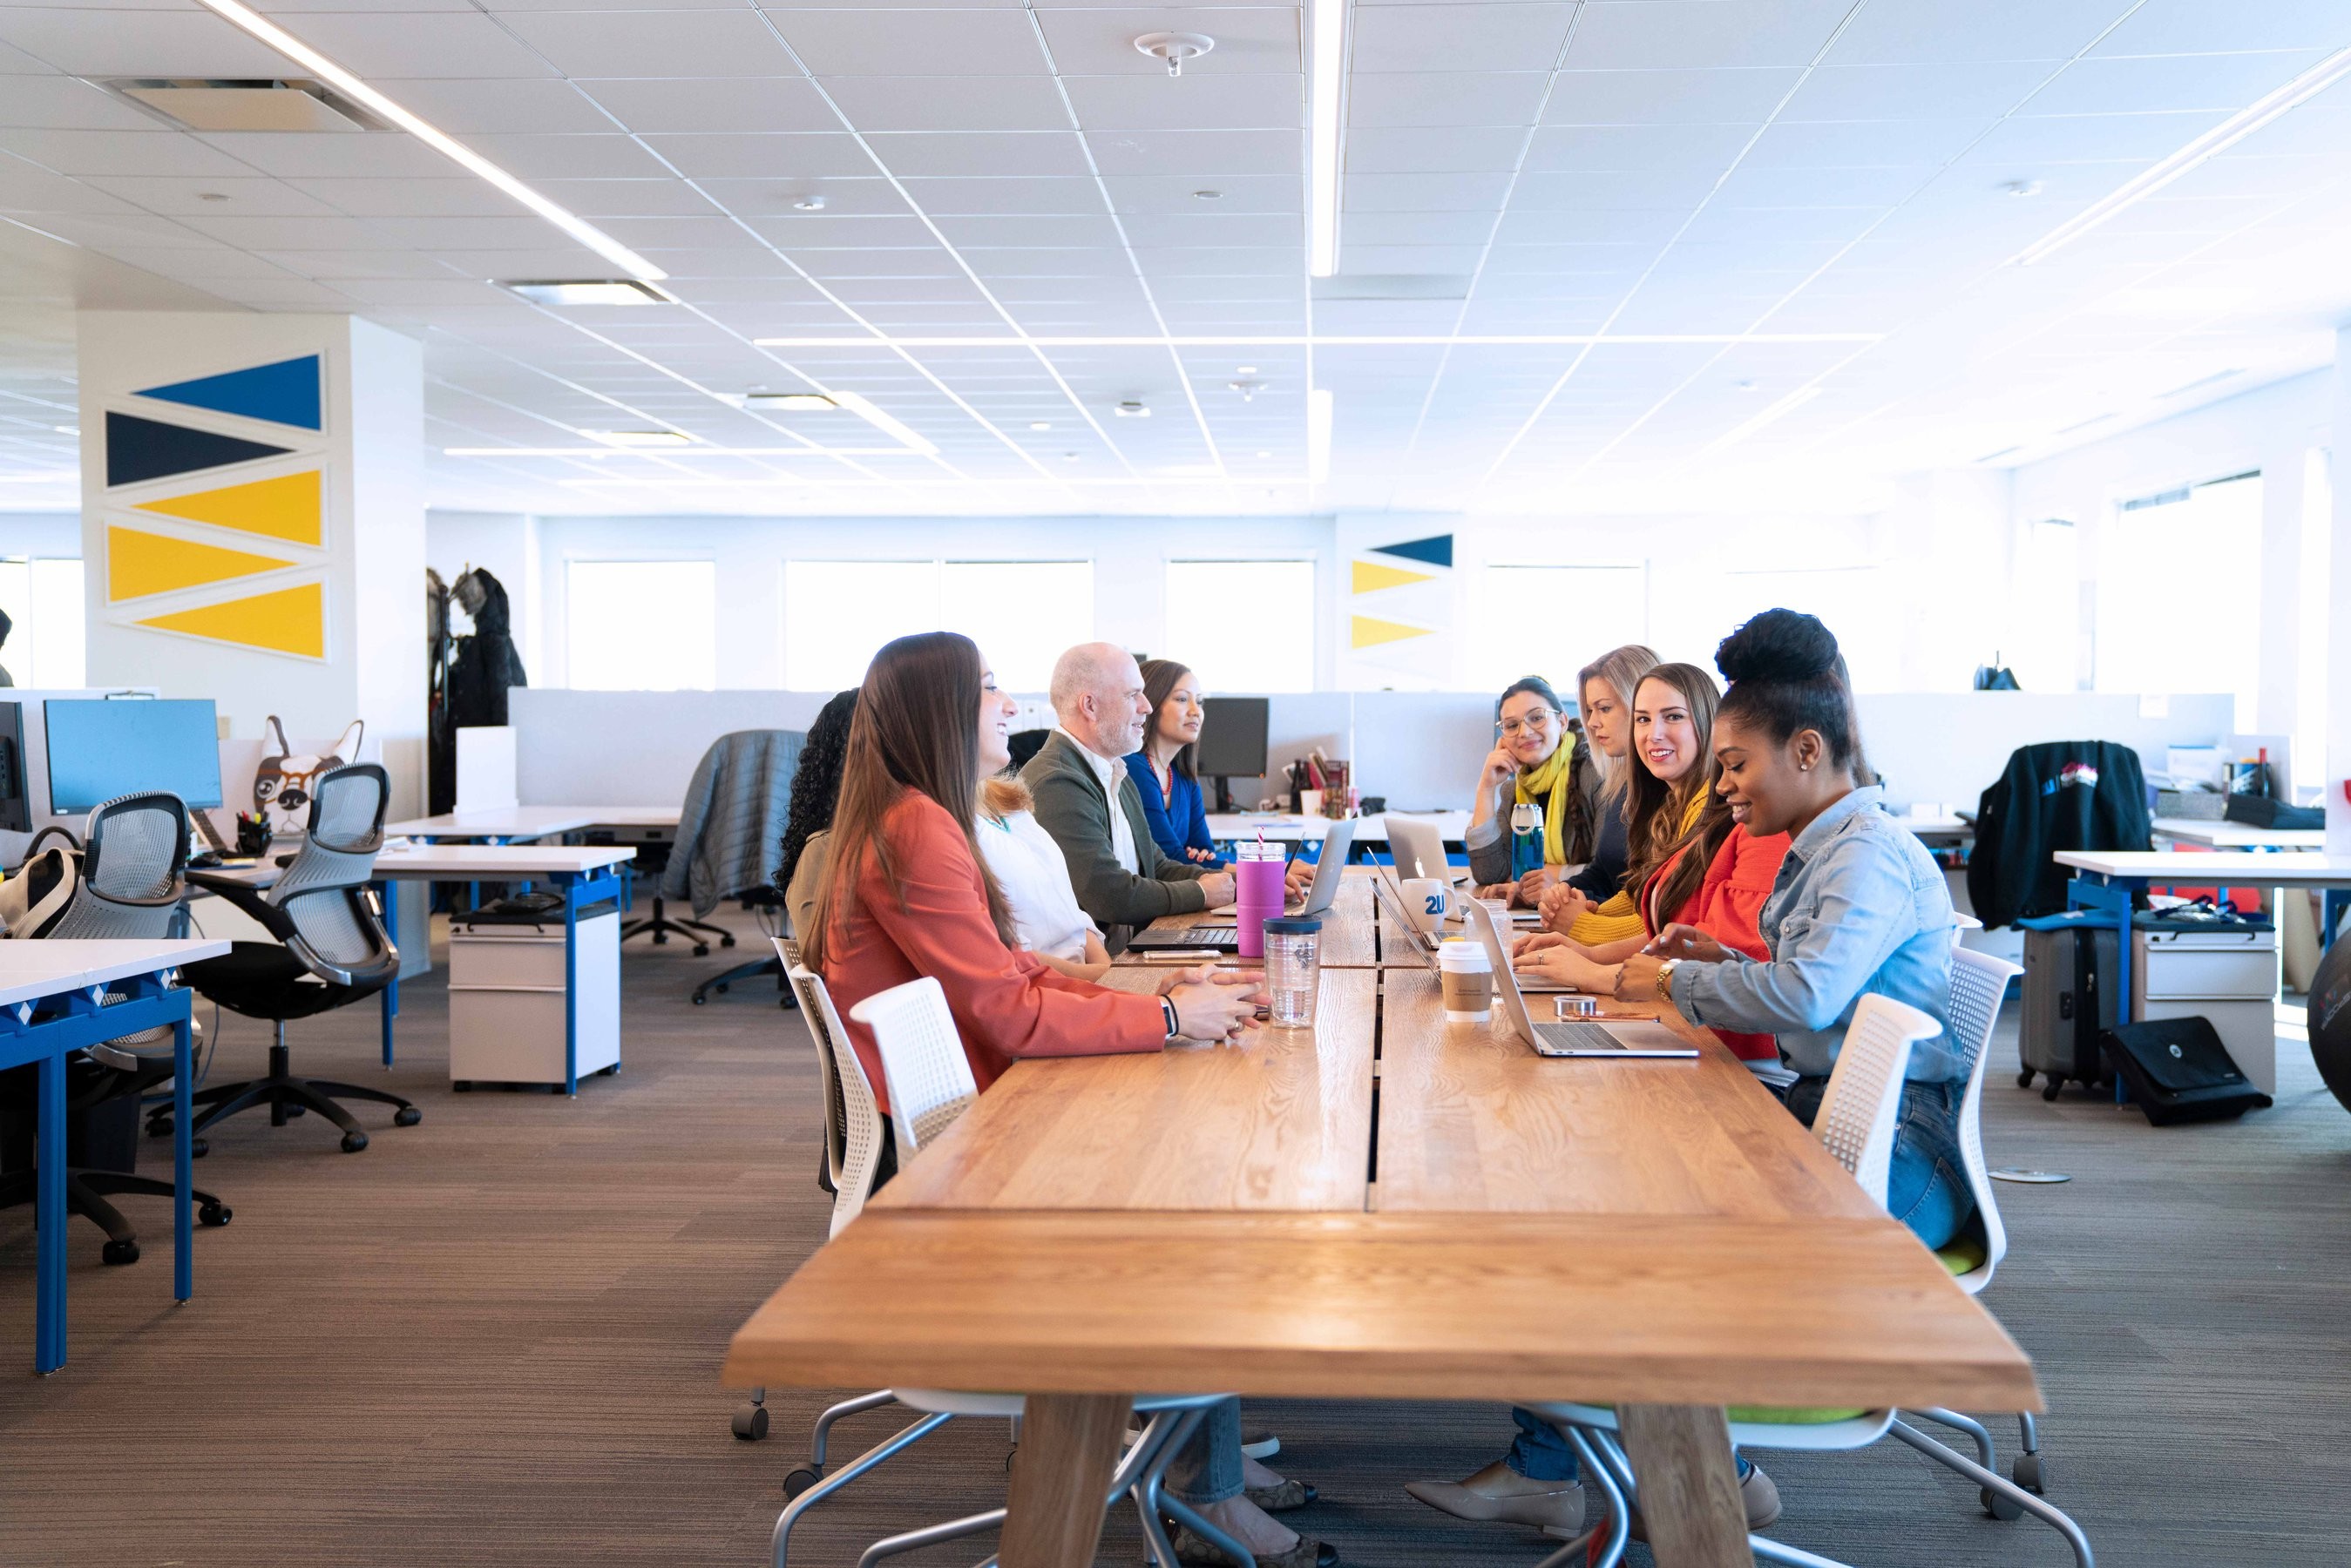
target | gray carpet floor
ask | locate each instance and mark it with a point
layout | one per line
(492, 1339)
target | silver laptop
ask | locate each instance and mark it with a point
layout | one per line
(1416, 848)
(1390, 893)
(1631, 1039)
(1328, 871)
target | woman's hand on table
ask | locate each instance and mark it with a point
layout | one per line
(1217, 1003)
(1687, 943)
(1534, 885)
(1566, 965)
(1535, 942)
(1562, 905)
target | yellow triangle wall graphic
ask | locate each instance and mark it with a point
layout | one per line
(1370, 576)
(1370, 632)
(285, 508)
(138, 563)
(291, 620)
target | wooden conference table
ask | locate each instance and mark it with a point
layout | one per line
(1383, 1207)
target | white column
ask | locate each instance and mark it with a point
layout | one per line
(253, 518)
(2338, 613)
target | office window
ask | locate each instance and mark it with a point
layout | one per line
(1524, 611)
(642, 625)
(2045, 637)
(1243, 626)
(2180, 593)
(43, 599)
(1022, 614)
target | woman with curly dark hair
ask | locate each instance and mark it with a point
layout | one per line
(815, 787)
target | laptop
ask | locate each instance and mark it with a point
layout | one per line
(1417, 848)
(1225, 935)
(1631, 1039)
(1390, 893)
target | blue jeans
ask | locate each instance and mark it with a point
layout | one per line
(1207, 1467)
(1924, 1187)
(1540, 1453)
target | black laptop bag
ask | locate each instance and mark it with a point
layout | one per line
(2177, 1071)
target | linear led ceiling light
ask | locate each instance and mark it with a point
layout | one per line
(789, 402)
(588, 291)
(1327, 62)
(343, 81)
(1325, 340)
(2220, 138)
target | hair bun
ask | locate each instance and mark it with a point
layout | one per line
(1778, 645)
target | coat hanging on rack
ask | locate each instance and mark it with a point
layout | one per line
(482, 666)
(440, 740)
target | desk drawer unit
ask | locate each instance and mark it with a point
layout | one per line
(505, 1001)
(2227, 977)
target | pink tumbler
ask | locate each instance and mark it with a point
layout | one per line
(1258, 894)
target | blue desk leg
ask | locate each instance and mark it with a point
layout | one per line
(183, 1144)
(570, 985)
(49, 1215)
(391, 992)
(2330, 915)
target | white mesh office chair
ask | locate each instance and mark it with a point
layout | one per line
(1856, 1123)
(923, 1064)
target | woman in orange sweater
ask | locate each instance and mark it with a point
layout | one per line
(905, 894)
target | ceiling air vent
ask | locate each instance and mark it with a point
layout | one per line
(291, 103)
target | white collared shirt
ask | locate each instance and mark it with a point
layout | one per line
(1112, 772)
(1029, 866)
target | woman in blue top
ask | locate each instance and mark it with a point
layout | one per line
(1163, 769)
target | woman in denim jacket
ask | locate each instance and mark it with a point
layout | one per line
(1859, 906)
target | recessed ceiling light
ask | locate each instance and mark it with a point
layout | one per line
(212, 195)
(790, 403)
(2022, 187)
(809, 204)
(67, 429)
(640, 438)
(1040, 424)
(1068, 457)
(588, 291)
(1133, 410)
(1265, 454)
(1207, 195)
(1244, 369)
(343, 81)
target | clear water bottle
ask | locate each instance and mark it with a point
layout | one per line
(1293, 970)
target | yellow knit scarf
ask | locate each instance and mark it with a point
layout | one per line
(1547, 785)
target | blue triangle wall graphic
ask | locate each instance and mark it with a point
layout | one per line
(286, 393)
(1437, 550)
(139, 448)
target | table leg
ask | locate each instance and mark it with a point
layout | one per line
(391, 992)
(49, 1216)
(1068, 1445)
(1689, 1484)
(184, 1147)
(570, 985)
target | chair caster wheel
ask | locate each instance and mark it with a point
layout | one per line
(702, 950)
(293, 1111)
(159, 1127)
(215, 1215)
(700, 1000)
(726, 941)
(2001, 1508)
(661, 938)
(2028, 1473)
(751, 1423)
(800, 1480)
(2049, 1090)
(198, 1148)
(611, 1072)
(2024, 1079)
(720, 990)
(120, 1253)
(354, 1142)
(462, 1086)
(407, 1117)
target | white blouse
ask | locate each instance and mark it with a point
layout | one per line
(1035, 876)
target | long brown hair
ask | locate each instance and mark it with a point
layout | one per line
(1657, 809)
(1160, 677)
(917, 727)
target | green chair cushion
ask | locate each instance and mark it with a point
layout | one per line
(1965, 1256)
(1778, 1415)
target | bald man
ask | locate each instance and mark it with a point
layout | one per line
(1087, 801)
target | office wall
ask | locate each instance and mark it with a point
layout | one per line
(55, 534)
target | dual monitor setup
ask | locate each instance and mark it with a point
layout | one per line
(61, 757)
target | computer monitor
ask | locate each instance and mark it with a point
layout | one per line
(100, 748)
(1232, 742)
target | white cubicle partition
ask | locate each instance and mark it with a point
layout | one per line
(633, 748)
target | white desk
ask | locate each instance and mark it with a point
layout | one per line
(585, 874)
(524, 822)
(2236, 835)
(49, 1006)
(1285, 828)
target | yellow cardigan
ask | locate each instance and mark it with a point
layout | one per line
(1620, 916)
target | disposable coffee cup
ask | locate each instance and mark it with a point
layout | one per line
(1310, 802)
(1425, 901)
(1467, 979)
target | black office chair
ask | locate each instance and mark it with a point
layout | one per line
(332, 950)
(133, 865)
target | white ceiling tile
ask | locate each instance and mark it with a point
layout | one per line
(780, 198)
(1554, 191)
(605, 156)
(1741, 96)
(110, 231)
(462, 107)
(178, 196)
(84, 41)
(1462, 37)
(1530, 226)
(2200, 26)
(950, 103)
(724, 104)
(1360, 227)
(552, 259)
(1380, 261)
(194, 264)
(1268, 150)
(1980, 91)
(383, 155)
(413, 291)
(457, 196)
(2032, 143)
(778, 157)
(26, 189)
(1396, 149)
(1161, 193)
(874, 42)
(1275, 261)
(1760, 226)
(361, 263)
(65, 103)
(126, 152)
(694, 44)
(523, 230)
(804, 232)
(1646, 34)
(1044, 197)
(1459, 193)
(917, 153)
(1188, 102)
(1154, 230)
(1070, 231)
(417, 44)
(1446, 99)
(1662, 148)
(1932, 32)
(1766, 185)
(15, 62)
(2222, 82)
(1248, 40)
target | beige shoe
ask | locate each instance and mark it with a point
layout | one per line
(1758, 1492)
(1499, 1495)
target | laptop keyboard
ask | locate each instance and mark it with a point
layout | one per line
(1578, 1037)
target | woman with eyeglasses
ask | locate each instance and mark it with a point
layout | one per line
(1577, 779)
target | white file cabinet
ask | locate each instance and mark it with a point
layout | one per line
(505, 1000)
(2228, 976)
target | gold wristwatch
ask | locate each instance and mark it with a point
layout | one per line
(1666, 981)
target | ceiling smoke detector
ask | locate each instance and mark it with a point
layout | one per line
(1132, 408)
(809, 204)
(1248, 389)
(1175, 49)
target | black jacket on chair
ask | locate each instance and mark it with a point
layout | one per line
(2063, 794)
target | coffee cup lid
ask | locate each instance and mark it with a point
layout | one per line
(1460, 952)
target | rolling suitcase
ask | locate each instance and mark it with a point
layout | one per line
(2070, 999)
